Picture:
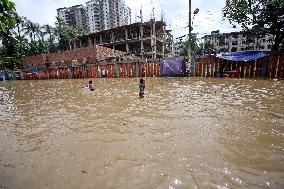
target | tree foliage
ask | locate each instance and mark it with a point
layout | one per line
(7, 19)
(206, 48)
(193, 41)
(65, 33)
(258, 16)
(196, 47)
(26, 38)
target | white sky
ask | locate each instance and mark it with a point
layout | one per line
(176, 13)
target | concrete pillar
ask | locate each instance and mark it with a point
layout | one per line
(164, 41)
(84, 71)
(89, 42)
(47, 73)
(142, 49)
(116, 70)
(57, 73)
(152, 46)
(137, 69)
(141, 31)
(153, 39)
(163, 49)
(70, 46)
(74, 43)
(112, 37)
(81, 44)
(100, 71)
(69, 72)
(126, 34)
(22, 75)
(101, 39)
(127, 47)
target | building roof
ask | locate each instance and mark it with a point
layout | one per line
(214, 33)
(159, 23)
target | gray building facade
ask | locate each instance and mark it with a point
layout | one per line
(107, 14)
(239, 41)
(74, 16)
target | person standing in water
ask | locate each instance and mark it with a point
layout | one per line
(91, 86)
(104, 73)
(141, 88)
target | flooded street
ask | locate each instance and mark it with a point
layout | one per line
(185, 133)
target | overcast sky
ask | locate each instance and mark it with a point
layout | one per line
(176, 13)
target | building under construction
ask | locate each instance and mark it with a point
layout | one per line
(144, 40)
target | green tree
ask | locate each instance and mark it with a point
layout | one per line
(7, 19)
(194, 45)
(28, 39)
(65, 33)
(19, 24)
(259, 16)
(49, 30)
(209, 48)
(10, 54)
(32, 30)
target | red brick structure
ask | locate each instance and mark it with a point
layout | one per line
(88, 62)
(79, 56)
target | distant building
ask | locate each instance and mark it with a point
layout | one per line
(178, 49)
(239, 41)
(126, 15)
(74, 16)
(107, 14)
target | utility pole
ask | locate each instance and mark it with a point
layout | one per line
(141, 33)
(189, 34)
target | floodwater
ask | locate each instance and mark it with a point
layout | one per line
(185, 133)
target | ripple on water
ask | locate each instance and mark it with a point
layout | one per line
(185, 133)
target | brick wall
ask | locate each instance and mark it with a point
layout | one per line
(38, 60)
(77, 56)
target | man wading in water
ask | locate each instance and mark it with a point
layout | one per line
(141, 88)
(91, 86)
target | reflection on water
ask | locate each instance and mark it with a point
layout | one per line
(185, 133)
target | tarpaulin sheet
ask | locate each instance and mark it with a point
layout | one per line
(243, 56)
(172, 68)
(33, 69)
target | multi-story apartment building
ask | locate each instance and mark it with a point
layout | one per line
(126, 15)
(106, 14)
(239, 41)
(74, 16)
(97, 13)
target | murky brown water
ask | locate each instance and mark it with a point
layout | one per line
(186, 133)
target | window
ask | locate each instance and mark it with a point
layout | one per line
(234, 49)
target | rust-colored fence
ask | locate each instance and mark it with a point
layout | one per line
(122, 69)
(150, 69)
(269, 67)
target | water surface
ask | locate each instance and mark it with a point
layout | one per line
(185, 133)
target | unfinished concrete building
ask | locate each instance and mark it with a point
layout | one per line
(144, 40)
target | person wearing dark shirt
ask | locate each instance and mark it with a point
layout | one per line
(141, 88)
